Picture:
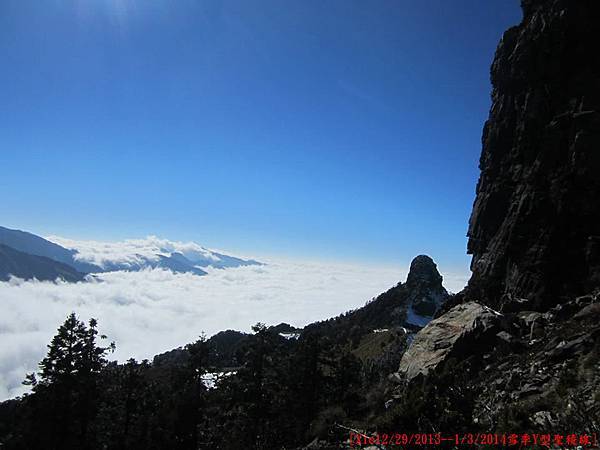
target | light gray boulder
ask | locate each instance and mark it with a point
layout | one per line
(448, 335)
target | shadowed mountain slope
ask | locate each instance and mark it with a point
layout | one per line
(25, 266)
(35, 245)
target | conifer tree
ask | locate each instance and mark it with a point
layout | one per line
(67, 385)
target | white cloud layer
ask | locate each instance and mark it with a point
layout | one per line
(132, 251)
(153, 311)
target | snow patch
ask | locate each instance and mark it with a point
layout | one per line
(413, 318)
(290, 335)
(211, 379)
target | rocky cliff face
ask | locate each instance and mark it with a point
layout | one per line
(534, 235)
(424, 284)
(422, 295)
(534, 232)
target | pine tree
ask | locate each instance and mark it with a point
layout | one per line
(67, 386)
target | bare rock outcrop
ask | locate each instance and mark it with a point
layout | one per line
(424, 283)
(534, 234)
(534, 231)
(463, 327)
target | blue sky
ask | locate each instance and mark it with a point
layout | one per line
(336, 130)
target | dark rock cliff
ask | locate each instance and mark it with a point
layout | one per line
(424, 284)
(534, 232)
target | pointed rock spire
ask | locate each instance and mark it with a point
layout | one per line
(426, 293)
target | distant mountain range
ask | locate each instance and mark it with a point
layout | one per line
(38, 246)
(26, 255)
(25, 266)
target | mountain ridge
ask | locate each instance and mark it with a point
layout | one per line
(32, 244)
(28, 267)
(164, 255)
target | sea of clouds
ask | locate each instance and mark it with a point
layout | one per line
(153, 311)
(132, 251)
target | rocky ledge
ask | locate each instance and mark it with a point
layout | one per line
(454, 333)
(474, 369)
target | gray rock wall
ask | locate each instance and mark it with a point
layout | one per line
(534, 231)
